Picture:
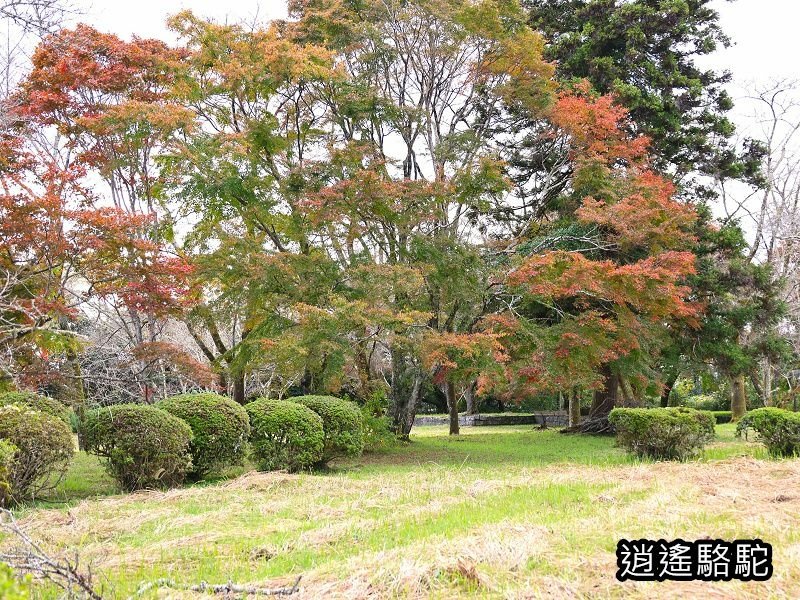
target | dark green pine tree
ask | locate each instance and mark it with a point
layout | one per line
(645, 52)
(742, 308)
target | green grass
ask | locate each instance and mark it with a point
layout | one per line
(493, 512)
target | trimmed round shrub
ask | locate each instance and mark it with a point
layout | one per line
(342, 423)
(37, 402)
(285, 435)
(144, 447)
(662, 433)
(778, 429)
(42, 448)
(219, 425)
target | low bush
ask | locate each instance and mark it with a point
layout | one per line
(285, 435)
(722, 416)
(144, 446)
(662, 433)
(7, 453)
(220, 429)
(37, 402)
(777, 429)
(42, 448)
(377, 428)
(342, 424)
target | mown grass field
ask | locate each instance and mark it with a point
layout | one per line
(506, 512)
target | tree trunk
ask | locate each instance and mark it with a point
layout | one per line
(452, 406)
(238, 388)
(628, 399)
(669, 383)
(767, 383)
(738, 398)
(574, 408)
(471, 400)
(604, 401)
(405, 394)
(78, 399)
(222, 381)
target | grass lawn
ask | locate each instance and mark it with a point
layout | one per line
(496, 512)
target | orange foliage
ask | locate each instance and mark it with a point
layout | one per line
(647, 217)
(596, 127)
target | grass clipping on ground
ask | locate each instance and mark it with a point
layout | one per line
(452, 520)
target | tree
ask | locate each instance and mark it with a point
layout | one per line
(645, 53)
(427, 84)
(461, 359)
(777, 218)
(60, 250)
(598, 303)
(109, 100)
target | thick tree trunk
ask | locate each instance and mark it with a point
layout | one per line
(574, 409)
(628, 397)
(604, 401)
(452, 406)
(738, 397)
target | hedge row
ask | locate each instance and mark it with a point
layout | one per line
(663, 433)
(304, 432)
(185, 436)
(191, 435)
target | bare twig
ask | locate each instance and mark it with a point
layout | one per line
(31, 559)
(226, 588)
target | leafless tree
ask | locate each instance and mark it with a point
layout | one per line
(771, 215)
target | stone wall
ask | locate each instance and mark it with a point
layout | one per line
(553, 419)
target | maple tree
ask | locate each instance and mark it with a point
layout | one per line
(590, 313)
(60, 250)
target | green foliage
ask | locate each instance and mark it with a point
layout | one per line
(44, 448)
(220, 429)
(707, 402)
(662, 433)
(7, 453)
(646, 52)
(37, 402)
(342, 423)
(722, 416)
(12, 588)
(778, 429)
(377, 426)
(144, 446)
(285, 435)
